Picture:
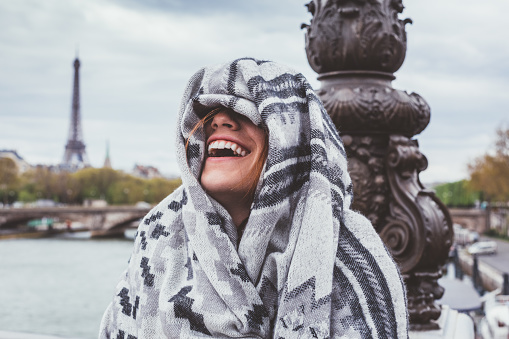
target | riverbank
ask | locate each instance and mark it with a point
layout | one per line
(491, 278)
(24, 335)
(34, 234)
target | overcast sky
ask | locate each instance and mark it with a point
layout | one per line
(136, 57)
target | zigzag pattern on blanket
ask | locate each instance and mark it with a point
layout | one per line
(301, 269)
(288, 180)
(371, 281)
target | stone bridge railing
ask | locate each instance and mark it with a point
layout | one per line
(100, 221)
(473, 219)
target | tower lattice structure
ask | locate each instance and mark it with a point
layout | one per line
(75, 156)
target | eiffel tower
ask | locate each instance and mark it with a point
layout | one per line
(75, 157)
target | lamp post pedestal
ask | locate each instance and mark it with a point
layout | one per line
(355, 47)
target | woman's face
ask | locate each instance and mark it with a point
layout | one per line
(233, 146)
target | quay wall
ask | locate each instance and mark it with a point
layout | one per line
(491, 278)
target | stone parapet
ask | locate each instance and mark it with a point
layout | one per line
(452, 325)
(491, 278)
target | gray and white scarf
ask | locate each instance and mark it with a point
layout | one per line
(307, 266)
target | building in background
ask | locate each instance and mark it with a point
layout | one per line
(21, 164)
(146, 172)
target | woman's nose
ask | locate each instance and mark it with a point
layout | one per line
(224, 119)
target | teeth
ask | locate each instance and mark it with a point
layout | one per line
(222, 144)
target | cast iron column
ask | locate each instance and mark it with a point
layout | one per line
(355, 46)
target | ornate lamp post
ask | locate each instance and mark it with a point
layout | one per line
(355, 46)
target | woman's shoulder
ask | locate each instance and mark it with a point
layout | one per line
(165, 212)
(160, 222)
(171, 199)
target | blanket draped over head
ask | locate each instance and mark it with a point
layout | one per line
(306, 266)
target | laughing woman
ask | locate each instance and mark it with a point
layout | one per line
(259, 241)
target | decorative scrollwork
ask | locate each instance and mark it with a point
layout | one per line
(417, 214)
(413, 223)
(355, 35)
(355, 46)
(438, 229)
(397, 235)
(367, 170)
(404, 161)
(404, 156)
(422, 290)
(369, 107)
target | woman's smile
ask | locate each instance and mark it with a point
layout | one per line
(226, 148)
(234, 146)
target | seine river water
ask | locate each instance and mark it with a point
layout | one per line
(59, 286)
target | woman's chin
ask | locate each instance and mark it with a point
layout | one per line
(220, 190)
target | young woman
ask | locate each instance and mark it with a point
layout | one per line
(259, 241)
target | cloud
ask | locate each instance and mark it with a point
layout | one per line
(136, 57)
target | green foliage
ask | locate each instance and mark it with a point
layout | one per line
(26, 196)
(496, 234)
(157, 188)
(116, 187)
(490, 173)
(94, 183)
(127, 190)
(8, 171)
(8, 180)
(457, 194)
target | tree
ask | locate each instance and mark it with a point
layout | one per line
(95, 182)
(116, 187)
(158, 188)
(457, 194)
(44, 182)
(8, 178)
(490, 173)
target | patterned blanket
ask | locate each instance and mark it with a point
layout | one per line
(307, 266)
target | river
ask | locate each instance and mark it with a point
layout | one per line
(59, 286)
